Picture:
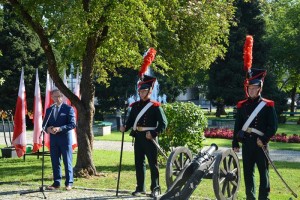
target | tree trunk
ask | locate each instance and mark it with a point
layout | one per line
(85, 106)
(220, 110)
(293, 96)
(84, 165)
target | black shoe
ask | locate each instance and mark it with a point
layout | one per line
(138, 193)
(155, 192)
(52, 187)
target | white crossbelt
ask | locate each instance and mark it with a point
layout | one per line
(246, 127)
(141, 128)
(141, 114)
(254, 130)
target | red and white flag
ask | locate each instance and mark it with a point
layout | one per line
(65, 99)
(49, 87)
(19, 136)
(37, 115)
(77, 86)
(48, 103)
(77, 93)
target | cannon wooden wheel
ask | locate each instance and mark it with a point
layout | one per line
(226, 175)
(177, 160)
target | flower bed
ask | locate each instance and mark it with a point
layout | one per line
(284, 138)
(227, 133)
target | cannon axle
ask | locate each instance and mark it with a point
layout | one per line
(184, 173)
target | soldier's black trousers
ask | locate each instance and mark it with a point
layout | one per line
(252, 154)
(144, 147)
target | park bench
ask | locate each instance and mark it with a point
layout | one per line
(230, 115)
(102, 128)
(206, 109)
(38, 154)
(291, 113)
(223, 123)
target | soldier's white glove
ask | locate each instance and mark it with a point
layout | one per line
(259, 143)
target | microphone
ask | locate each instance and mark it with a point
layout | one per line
(53, 105)
(52, 109)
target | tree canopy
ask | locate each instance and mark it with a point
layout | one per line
(103, 36)
(226, 76)
(284, 38)
(20, 48)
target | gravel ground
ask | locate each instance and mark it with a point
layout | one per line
(14, 190)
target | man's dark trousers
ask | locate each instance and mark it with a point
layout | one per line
(253, 154)
(144, 147)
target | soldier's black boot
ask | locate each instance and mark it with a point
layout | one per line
(138, 193)
(155, 192)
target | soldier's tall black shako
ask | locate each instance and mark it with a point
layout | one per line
(256, 123)
(147, 120)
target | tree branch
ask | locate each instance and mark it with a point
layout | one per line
(47, 47)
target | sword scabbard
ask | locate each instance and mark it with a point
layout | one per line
(272, 164)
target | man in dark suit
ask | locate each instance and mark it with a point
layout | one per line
(146, 128)
(61, 121)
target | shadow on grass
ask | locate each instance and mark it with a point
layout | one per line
(115, 168)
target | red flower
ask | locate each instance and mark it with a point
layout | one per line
(228, 134)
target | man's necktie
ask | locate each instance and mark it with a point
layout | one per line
(55, 112)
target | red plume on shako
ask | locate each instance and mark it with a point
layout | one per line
(148, 59)
(253, 76)
(147, 82)
(248, 53)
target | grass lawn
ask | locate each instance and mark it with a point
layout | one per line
(289, 129)
(29, 172)
(283, 128)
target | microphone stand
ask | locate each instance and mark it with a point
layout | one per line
(42, 189)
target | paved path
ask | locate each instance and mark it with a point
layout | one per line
(276, 155)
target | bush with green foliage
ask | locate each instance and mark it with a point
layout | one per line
(186, 124)
(1, 81)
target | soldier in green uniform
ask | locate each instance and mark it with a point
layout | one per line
(261, 128)
(147, 120)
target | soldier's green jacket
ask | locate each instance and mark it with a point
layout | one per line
(153, 117)
(265, 121)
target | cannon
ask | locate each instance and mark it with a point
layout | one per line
(184, 173)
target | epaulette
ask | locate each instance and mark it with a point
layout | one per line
(155, 103)
(133, 103)
(240, 103)
(270, 103)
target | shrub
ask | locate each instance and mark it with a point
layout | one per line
(186, 124)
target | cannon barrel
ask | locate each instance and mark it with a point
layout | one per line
(202, 157)
(188, 179)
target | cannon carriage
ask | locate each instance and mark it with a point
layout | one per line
(185, 172)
